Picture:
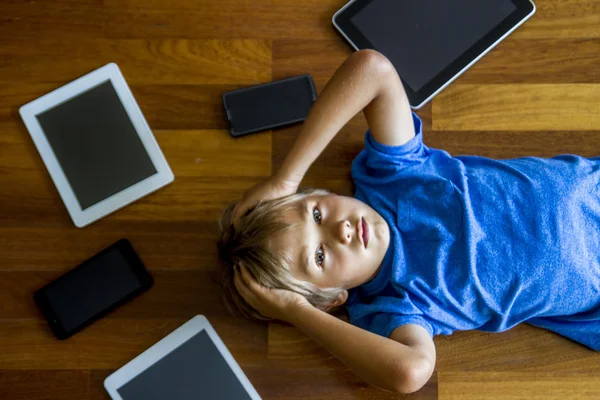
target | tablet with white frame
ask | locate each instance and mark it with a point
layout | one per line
(96, 144)
(190, 363)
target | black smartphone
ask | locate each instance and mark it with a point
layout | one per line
(93, 289)
(269, 105)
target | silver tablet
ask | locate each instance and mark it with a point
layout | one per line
(430, 42)
(96, 144)
(191, 363)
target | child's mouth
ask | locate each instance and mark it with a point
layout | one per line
(364, 231)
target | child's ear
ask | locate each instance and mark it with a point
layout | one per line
(341, 299)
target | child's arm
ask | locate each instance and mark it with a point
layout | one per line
(382, 362)
(403, 364)
(367, 81)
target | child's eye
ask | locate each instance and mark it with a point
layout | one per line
(317, 215)
(320, 256)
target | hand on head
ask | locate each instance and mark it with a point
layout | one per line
(271, 303)
(269, 189)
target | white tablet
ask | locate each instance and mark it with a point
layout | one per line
(96, 144)
(190, 363)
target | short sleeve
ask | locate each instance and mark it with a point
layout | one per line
(398, 320)
(384, 314)
(410, 147)
(379, 160)
(383, 324)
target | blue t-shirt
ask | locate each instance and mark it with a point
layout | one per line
(481, 244)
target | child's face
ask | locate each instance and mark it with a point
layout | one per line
(326, 247)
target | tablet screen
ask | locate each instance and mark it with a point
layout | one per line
(96, 144)
(194, 370)
(421, 38)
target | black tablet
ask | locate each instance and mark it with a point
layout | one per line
(430, 42)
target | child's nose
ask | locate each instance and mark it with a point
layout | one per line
(344, 232)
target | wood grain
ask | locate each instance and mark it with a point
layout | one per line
(537, 93)
(511, 385)
(524, 348)
(563, 19)
(264, 19)
(535, 107)
(44, 384)
(156, 62)
(28, 344)
(59, 19)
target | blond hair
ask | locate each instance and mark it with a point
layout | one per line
(249, 244)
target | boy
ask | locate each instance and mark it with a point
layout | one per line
(431, 244)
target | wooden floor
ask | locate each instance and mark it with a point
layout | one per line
(537, 93)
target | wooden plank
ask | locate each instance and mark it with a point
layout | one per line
(266, 19)
(14, 95)
(294, 57)
(513, 61)
(523, 348)
(190, 153)
(187, 199)
(142, 62)
(188, 107)
(97, 377)
(237, 19)
(520, 61)
(54, 2)
(562, 26)
(110, 343)
(164, 246)
(237, 6)
(29, 19)
(563, 19)
(287, 343)
(56, 384)
(517, 385)
(174, 295)
(536, 107)
(275, 381)
(165, 107)
(512, 144)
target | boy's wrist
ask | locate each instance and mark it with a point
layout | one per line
(301, 312)
(287, 179)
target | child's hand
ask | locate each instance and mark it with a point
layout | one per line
(269, 189)
(271, 303)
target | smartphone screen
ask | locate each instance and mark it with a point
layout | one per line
(92, 289)
(269, 105)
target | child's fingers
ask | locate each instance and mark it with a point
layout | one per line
(249, 280)
(240, 209)
(247, 294)
(235, 216)
(243, 290)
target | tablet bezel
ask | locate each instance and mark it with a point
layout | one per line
(417, 99)
(166, 345)
(162, 177)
